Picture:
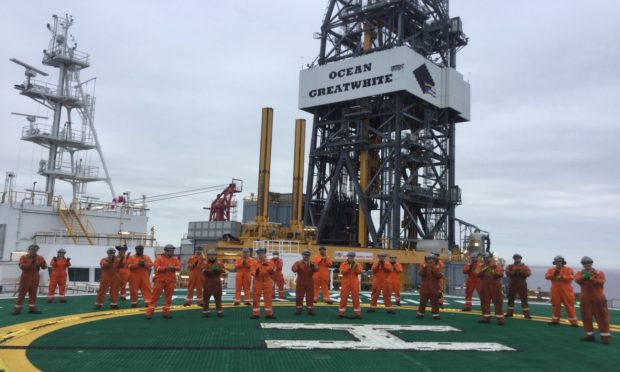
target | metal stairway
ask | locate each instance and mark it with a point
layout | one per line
(78, 226)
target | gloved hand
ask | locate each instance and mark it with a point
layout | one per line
(170, 268)
(587, 275)
(141, 263)
(68, 259)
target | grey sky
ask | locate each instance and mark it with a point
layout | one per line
(180, 86)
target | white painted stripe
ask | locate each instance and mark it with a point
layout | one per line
(411, 302)
(377, 337)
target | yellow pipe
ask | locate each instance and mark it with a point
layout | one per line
(367, 37)
(264, 166)
(362, 229)
(298, 175)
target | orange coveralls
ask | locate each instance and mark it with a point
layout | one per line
(472, 283)
(562, 293)
(442, 284)
(139, 278)
(397, 268)
(195, 264)
(304, 285)
(518, 287)
(350, 284)
(243, 279)
(278, 278)
(123, 277)
(491, 290)
(29, 281)
(262, 274)
(594, 303)
(381, 283)
(431, 275)
(165, 280)
(321, 277)
(212, 285)
(58, 278)
(108, 281)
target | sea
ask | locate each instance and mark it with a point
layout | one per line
(612, 282)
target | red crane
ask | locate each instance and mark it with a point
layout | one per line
(220, 207)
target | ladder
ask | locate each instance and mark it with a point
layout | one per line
(78, 226)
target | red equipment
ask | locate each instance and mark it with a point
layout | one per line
(220, 208)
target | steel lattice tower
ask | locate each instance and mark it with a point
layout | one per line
(381, 166)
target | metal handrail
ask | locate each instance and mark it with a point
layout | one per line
(68, 135)
(282, 246)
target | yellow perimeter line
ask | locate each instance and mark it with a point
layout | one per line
(24, 334)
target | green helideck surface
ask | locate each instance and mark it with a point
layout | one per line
(236, 343)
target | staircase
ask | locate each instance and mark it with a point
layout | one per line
(78, 226)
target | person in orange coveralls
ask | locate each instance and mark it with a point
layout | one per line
(442, 281)
(243, 278)
(262, 284)
(397, 268)
(139, 266)
(490, 274)
(30, 264)
(473, 282)
(593, 301)
(321, 277)
(518, 273)
(58, 277)
(166, 266)
(278, 278)
(212, 270)
(562, 293)
(108, 280)
(350, 283)
(304, 285)
(195, 265)
(381, 283)
(431, 273)
(123, 271)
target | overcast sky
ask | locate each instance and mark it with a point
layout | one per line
(180, 87)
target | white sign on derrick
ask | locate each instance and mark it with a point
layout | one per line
(392, 70)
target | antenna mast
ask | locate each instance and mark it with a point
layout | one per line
(67, 143)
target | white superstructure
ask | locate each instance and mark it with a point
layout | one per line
(85, 226)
